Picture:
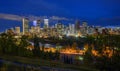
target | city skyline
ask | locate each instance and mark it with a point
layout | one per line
(98, 13)
(59, 35)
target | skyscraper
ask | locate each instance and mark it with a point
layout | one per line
(38, 23)
(84, 24)
(46, 22)
(17, 30)
(60, 28)
(77, 25)
(25, 22)
(84, 29)
(73, 28)
(35, 23)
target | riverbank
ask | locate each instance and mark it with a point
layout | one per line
(45, 63)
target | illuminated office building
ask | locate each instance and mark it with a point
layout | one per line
(60, 28)
(84, 24)
(10, 31)
(17, 30)
(36, 24)
(72, 28)
(77, 25)
(46, 23)
(25, 22)
(84, 29)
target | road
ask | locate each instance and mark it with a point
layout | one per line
(44, 68)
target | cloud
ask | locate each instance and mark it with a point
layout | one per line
(30, 17)
(10, 17)
(58, 18)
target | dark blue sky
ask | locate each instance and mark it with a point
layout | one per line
(95, 12)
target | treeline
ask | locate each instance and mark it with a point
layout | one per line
(9, 45)
(12, 46)
(108, 52)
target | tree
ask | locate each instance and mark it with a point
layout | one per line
(22, 49)
(74, 45)
(57, 55)
(104, 62)
(8, 45)
(88, 57)
(36, 49)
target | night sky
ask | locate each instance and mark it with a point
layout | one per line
(95, 12)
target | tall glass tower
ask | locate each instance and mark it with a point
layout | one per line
(46, 22)
(25, 22)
